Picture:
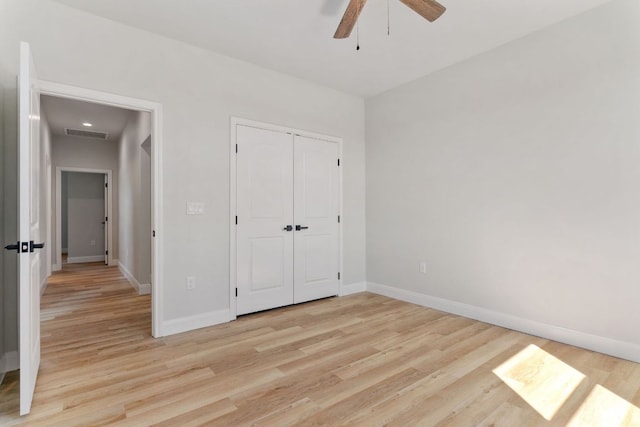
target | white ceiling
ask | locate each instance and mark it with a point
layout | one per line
(64, 113)
(295, 36)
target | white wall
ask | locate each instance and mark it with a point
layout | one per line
(74, 152)
(10, 224)
(45, 185)
(85, 210)
(515, 176)
(199, 92)
(135, 199)
(143, 214)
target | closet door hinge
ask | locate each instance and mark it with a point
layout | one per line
(338, 219)
(338, 275)
(236, 148)
(338, 162)
(236, 219)
(236, 292)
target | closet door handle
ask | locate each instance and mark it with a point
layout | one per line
(299, 227)
(288, 228)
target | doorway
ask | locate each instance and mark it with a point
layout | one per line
(84, 216)
(152, 147)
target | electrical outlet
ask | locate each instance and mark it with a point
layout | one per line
(423, 267)
(191, 283)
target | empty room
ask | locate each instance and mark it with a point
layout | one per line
(351, 212)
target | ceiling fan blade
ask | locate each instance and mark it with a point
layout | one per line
(349, 19)
(428, 9)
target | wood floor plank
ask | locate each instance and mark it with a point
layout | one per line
(362, 360)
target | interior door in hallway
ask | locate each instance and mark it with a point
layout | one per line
(316, 210)
(264, 231)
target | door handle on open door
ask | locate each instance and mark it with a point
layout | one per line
(288, 228)
(299, 227)
(33, 246)
(15, 247)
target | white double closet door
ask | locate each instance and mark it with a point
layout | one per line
(287, 232)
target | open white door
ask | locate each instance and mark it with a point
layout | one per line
(28, 227)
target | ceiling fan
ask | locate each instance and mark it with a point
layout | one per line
(428, 9)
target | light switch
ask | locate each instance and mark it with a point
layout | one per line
(195, 208)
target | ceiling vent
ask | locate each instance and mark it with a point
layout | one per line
(86, 133)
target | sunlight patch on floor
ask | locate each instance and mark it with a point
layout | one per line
(542, 380)
(607, 409)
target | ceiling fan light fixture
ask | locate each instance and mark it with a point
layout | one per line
(428, 9)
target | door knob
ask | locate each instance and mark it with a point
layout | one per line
(299, 227)
(288, 228)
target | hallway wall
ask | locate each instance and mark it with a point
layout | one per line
(135, 199)
(45, 186)
(10, 220)
(86, 153)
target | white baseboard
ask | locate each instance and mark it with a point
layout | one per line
(56, 267)
(144, 289)
(80, 259)
(622, 349)
(353, 288)
(9, 362)
(141, 288)
(184, 324)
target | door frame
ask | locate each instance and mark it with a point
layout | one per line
(155, 109)
(233, 205)
(109, 174)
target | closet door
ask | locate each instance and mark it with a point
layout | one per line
(316, 209)
(265, 208)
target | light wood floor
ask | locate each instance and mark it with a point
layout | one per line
(358, 360)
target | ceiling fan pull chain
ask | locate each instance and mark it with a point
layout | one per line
(358, 29)
(388, 20)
